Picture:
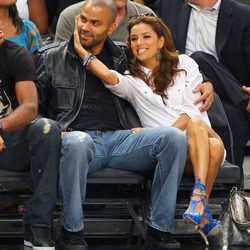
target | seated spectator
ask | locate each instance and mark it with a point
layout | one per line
(20, 31)
(28, 143)
(216, 34)
(55, 7)
(159, 86)
(125, 10)
(97, 131)
(149, 3)
(35, 11)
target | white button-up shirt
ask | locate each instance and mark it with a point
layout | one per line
(150, 107)
(202, 30)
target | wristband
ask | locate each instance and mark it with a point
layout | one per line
(87, 59)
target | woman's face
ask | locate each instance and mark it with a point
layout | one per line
(145, 44)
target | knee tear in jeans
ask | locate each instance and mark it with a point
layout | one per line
(81, 137)
(46, 126)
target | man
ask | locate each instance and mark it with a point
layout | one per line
(28, 143)
(125, 10)
(97, 130)
(216, 33)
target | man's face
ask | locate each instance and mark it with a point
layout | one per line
(120, 3)
(94, 26)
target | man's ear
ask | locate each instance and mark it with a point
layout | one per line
(111, 29)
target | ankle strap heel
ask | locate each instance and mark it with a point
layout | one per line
(190, 216)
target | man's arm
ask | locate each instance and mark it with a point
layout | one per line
(27, 110)
(41, 20)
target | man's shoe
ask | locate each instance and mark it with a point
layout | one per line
(156, 239)
(38, 237)
(72, 241)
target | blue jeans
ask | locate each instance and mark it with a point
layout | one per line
(35, 148)
(161, 149)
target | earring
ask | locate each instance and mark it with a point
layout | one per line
(133, 60)
(158, 55)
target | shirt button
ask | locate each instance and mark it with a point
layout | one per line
(146, 92)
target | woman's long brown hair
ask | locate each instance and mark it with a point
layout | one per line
(163, 75)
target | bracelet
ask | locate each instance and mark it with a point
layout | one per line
(87, 59)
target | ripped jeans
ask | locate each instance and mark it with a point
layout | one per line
(35, 148)
(162, 149)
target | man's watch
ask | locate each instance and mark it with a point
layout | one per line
(1, 129)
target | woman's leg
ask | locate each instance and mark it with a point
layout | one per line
(205, 153)
(216, 153)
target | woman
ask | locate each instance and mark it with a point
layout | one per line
(159, 85)
(20, 31)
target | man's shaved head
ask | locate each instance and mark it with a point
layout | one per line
(109, 4)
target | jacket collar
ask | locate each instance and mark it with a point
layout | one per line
(224, 25)
(183, 14)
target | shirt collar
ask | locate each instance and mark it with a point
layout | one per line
(216, 7)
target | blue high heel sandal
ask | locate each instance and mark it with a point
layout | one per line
(190, 216)
(211, 228)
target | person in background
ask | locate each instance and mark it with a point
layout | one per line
(20, 31)
(97, 133)
(159, 84)
(125, 10)
(28, 143)
(216, 34)
(35, 11)
(149, 3)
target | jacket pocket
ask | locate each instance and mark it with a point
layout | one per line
(64, 91)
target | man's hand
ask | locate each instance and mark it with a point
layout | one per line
(207, 95)
(2, 146)
(248, 107)
(77, 44)
(246, 89)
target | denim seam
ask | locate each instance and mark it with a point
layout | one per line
(127, 153)
(153, 225)
(75, 229)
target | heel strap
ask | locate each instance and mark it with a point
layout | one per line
(199, 185)
(207, 214)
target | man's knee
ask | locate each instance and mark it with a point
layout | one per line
(202, 57)
(44, 127)
(171, 135)
(77, 141)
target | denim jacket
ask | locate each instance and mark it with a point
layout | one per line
(61, 84)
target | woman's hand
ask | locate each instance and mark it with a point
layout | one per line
(77, 44)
